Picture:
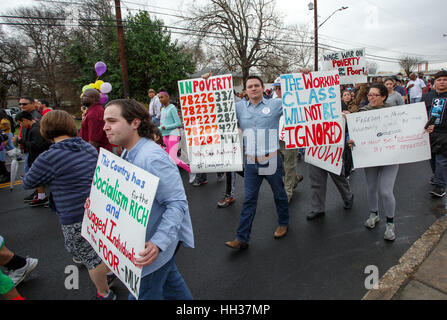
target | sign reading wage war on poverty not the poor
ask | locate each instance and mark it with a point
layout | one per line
(117, 214)
(389, 135)
(312, 109)
(209, 119)
(351, 65)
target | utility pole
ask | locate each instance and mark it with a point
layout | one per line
(315, 36)
(119, 24)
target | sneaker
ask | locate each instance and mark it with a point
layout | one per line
(225, 202)
(19, 275)
(110, 296)
(111, 279)
(192, 177)
(31, 197)
(389, 232)
(39, 202)
(438, 191)
(372, 220)
(199, 183)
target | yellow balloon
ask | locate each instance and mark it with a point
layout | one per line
(98, 84)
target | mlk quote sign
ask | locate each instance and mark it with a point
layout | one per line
(312, 109)
(351, 65)
(117, 214)
(389, 135)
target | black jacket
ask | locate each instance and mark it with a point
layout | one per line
(34, 143)
(436, 104)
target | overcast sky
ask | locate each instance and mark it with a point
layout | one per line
(388, 29)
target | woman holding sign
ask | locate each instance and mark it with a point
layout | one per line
(380, 180)
(68, 168)
(170, 124)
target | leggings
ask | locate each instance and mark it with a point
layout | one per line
(380, 181)
(171, 143)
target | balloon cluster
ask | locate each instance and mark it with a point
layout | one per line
(101, 86)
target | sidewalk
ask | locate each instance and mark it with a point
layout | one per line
(421, 273)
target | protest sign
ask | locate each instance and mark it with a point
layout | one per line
(312, 109)
(117, 215)
(389, 135)
(351, 65)
(209, 119)
(329, 158)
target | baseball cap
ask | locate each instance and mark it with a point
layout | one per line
(440, 74)
(277, 82)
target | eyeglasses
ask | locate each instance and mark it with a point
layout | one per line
(24, 104)
(277, 88)
(370, 95)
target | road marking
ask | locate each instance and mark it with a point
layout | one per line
(5, 185)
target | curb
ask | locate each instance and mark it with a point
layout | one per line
(398, 275)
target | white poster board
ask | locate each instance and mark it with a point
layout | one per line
(209, 119)
(329, 158)
(351, 65)
(389, 135)
(312, 109)
(117, 214)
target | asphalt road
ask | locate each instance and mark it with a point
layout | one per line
(321, 259)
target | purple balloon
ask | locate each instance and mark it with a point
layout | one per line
(103, 98)
(100, 68)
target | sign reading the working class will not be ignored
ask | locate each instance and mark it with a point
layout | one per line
(312, 109)
(117, 215)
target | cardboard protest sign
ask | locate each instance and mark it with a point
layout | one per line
(389, 135)
(312, 109)
(209, 119)
(351, 65)
(117, 214)
(329, 158)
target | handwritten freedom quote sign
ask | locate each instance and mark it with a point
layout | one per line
(351, 65)
(209, 119)
(389, 135)
(117, 215)
(312, 109)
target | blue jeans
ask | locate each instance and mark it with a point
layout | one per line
(165, 283)
(252, 183)
(439, 167)
(156, 121)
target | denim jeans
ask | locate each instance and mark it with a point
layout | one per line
(156, 121)
(165, 283)
(439, 169)
(252, 183)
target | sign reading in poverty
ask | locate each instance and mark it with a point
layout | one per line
(209, 119)
(350, 64)
(389, 135)
(312, 109)
(117, 214)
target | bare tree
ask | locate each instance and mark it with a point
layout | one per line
(243, 33)
(409, 64)
(42, 31)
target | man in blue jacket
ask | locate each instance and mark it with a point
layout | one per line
(127, 124)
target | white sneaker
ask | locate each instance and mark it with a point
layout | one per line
(372, 220)
(192, 177)
(389, 232)
(19, 275)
